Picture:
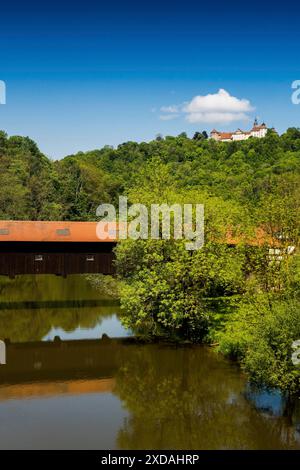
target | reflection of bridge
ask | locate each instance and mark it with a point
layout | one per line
(48, 389)
(54, 248)
(52, 367)
(58, 304)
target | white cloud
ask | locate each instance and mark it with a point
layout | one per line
(219, 107)
(170, 109)
(218, 102)
(168, 117)
(210, 118)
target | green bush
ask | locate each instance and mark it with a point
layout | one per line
(260, 334)
(164, 286)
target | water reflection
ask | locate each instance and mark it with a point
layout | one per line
(106, 394)
(270, 402)
(41, 307)
(158, 397)
(110, 326)
(189, 398)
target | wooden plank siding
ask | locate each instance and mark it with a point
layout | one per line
(48, 258)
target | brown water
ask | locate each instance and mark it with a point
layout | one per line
(84, 393)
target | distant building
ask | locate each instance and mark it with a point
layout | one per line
(258, 130)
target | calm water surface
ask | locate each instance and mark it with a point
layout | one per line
(84, 393)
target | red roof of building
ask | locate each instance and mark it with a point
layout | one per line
(31, 231)
(225, 135)
(36, 231)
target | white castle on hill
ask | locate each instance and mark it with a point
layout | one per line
(257, 130)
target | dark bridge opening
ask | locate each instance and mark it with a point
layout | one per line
(61, 258)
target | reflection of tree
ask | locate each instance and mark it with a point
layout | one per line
(28, 324)
(189, 398)
(49, 287)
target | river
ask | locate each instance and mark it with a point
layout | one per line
(64, 388)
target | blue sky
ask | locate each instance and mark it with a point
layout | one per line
(83, 75)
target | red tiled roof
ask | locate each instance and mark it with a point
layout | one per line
(225, 135)
(36, 231)
(31, 231)
(260, 238)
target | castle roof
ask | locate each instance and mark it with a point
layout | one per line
(258, 128)
(225, 135)
(228, 135)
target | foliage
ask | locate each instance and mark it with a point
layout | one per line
(261, 332)
(165, 289)
(244, 173)
(165, 285)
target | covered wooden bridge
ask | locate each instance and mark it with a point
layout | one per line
(62, 248)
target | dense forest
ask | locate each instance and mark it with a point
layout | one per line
(244, 299)
(246, 173)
